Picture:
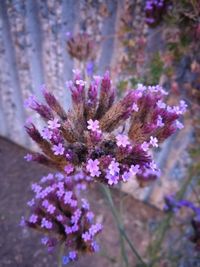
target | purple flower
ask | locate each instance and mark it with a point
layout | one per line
(69, 168)
(86, 236)
(28, 157)
(80, 82)
(90, 215)
(134, 169)
(145, 146)
(54, 124)
(49, 177)
(58, 149)
(65, 260)
(93, 125)
(141, 88)
(113, 167)
(179, 125)
(81, 187)
(44, 240)
(60, 176)
(95, 246)
(85, 204)
(95, 229)
(68, 197)
(112, 179)
(153, 141)
(46, 224)
(154, 10)
(73, 255)
(36, 188)
(159, 121)
(135, 107)
(75, 228)
(68, 230)
(46, 133)
(93, 167)
(31, 203)
(152, 165)
(45, 203)
(59, 218)
(60, 192)
(76, 216)
(33, 218)
(183, 107)
(53, 214)
(126, 176)
(161, 104)
(73, 203)
(122, 140)
(51, 208)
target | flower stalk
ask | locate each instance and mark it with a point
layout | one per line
(120, 225)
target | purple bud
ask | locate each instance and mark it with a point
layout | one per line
(33, 132)
(92, 94)
(105, 83)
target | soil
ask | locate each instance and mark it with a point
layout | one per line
(21, 247)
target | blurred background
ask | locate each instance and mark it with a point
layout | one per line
(42, 41)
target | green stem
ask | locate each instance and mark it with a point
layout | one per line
(132, 247)
(122, 244)
(123, 250)
(120, 226)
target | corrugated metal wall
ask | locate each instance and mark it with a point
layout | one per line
(33, 52)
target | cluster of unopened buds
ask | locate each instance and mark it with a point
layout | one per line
(81, 46)
(154, 10)
(109, 141)
(101, 139)
(174, 205)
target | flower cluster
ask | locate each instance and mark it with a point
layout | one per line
(81, 47)
(108, 140)
(154, 10)
(61, 217)
(171, 204)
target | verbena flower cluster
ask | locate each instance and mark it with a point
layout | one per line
(61, 217)
(108, 140)
(81, 47)
(173, 205)
(99, 139)
(154, 10)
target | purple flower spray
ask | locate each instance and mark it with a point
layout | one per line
(108, 140)
(62, 217)
(99, 139)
